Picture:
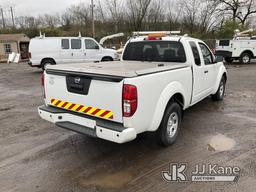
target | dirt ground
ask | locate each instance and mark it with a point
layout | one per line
(36, 156)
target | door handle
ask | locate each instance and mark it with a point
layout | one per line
(72, 54)
(206, 72)
(85, 54)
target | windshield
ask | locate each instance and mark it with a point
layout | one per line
(163, 51)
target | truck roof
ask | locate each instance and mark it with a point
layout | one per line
(62, 38)
(166, 38)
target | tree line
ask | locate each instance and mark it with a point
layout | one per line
(199, 18)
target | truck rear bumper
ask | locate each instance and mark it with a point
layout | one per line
(86, 125)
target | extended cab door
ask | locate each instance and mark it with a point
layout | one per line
(198, 73)
(210, 68)
(202, 73)
(92, 50)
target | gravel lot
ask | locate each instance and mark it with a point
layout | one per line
(36, 156)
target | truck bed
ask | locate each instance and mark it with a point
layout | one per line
(122, 69)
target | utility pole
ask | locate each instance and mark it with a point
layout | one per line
(13, 24)
(93, 23)
(2, 12)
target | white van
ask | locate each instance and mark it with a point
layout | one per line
(60, 50)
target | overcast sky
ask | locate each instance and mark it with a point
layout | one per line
(36, 7)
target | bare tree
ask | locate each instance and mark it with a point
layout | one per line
(115, 11)
(26, 22)
(247, 10)
(137, 11)
(230, 7)
(100, 12)
(47, 20)
(207, 17)
(80, 14)
(190, 14)
(240, 10)
(173, 14)
(156, 15)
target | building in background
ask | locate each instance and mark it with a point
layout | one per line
(17, 43)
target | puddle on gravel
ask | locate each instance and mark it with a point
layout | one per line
(108, 180)
(221, 143)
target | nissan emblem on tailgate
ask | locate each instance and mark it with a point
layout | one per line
(77, 80)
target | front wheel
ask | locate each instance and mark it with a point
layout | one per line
(106, 59)
(170, 126)
(219, 95)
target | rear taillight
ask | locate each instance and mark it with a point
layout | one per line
(29, 55)
(152, 38)
(43, 84)
(130, 100)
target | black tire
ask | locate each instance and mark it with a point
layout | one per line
(46, 62)
(229, 60)
(170, 126)
(106, 59)
(219, 95)
(245, 58)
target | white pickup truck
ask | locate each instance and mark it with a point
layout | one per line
(159, 76)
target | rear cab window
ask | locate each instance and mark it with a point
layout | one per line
(195, 53)
(76, 44)
(207, 54)
(155, 51)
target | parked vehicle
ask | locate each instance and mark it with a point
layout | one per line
(60, 50)
(241, 48)
(160, 75)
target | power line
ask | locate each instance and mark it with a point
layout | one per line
(3, 20)
(12, 14)
(93, 23)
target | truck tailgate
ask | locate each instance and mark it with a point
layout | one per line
(94, 96)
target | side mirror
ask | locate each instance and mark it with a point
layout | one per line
(218, 58)
(97, 47)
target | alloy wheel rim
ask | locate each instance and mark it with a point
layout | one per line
(222, 89)
(172, 124)
(246, 59)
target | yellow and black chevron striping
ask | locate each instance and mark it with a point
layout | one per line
(82, 109)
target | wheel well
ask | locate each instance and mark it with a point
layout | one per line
(178, 98)
(107, 57)
(48, 59)
(249, 52)
(225, 76)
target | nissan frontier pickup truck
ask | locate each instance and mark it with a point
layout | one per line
(159, 76)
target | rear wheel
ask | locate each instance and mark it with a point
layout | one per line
(245, 58)
(170, 125)
(46, 62)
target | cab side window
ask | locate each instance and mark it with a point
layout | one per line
(195, 53)
(76, 44)
(208, 58)
(90, 44)
(65, 43)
